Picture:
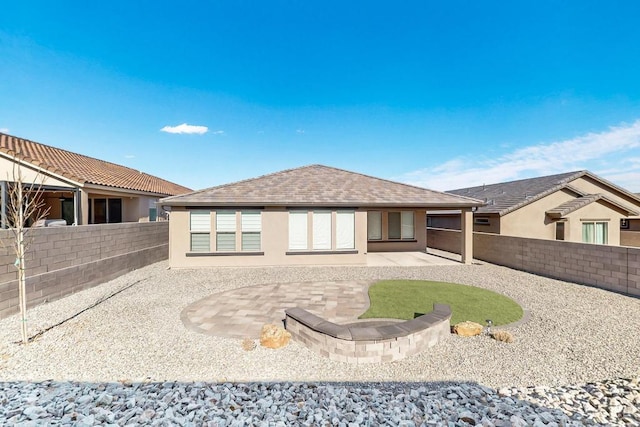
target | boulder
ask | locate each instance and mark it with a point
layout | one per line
(468, 329)
(273, 336)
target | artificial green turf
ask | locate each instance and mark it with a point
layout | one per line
(407, 299)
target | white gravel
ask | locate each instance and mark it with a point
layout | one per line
(575, 334)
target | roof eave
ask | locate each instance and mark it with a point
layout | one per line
(610, 184)
(112, 189)
(76, 182)
(169, 202)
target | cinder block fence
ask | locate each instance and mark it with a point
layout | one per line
(64, 260)
(615, 268)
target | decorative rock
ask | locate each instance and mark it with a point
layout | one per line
(468, 329)
(273, 336)
(104, 399)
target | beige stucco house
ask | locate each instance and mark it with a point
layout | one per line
(574, 206)
(81, 189)
(309, 215)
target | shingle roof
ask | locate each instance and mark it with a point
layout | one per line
(506, 197)
(580, 202)
(319, 185)
(86, 170)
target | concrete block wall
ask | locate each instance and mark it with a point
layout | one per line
(614, 268)
(369, 351)
(64, 260)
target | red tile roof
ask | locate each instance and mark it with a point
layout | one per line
(84, 169)
(319, 185)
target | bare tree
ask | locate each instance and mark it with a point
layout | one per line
(25, 206)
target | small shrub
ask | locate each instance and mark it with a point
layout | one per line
(248, 344)
(503, 336)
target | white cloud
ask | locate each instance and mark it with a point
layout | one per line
(599, 152)
(129, 156)
(300, 131)
(4, 130)
(185, 128)
(218, 132)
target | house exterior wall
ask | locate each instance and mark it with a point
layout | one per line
(452, 222)
(274, 243)
(64, 260)
(494, 224)
(438, 220)
(531, 220)
(608, 267)
(629, 238)
(137, 208)
(594, 212)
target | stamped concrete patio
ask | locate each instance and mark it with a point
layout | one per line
(241, 313)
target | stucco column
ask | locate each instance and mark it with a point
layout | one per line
(83, 207)
(466, 236)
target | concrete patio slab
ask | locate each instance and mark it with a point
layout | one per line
(411, 259)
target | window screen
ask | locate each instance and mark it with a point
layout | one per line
(298, 230)
(374, 225)
(321, 230)
(345, 230)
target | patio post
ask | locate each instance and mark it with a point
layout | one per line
(466, 236)
(3, 190)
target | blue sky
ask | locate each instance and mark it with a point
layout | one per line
(438, 94)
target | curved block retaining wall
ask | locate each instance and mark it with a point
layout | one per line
(365, 344)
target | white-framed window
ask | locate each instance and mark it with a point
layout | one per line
(400, 225)
(408, 230)
(200, 230)
(251, 229)
(595, 232)
(298, 226)
(225, 231)
(325, 234)
(321, 230)
(374, 225)
(345, 230)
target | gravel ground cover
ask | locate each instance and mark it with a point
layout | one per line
(575, 336)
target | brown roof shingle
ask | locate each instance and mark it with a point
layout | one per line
(84, 169)
(506, 197)
(318, 185)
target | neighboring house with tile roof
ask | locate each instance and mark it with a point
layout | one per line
(575, 206)
(81, 189)
(309, 215)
